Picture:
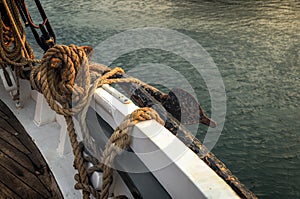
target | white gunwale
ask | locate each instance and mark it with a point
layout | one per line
(185, 174)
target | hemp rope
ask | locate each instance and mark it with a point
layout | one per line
(20, 54)
(64, 78)
(119, 141)
(15, 52)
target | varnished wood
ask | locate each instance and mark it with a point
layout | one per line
(24, 172)
(8, 193)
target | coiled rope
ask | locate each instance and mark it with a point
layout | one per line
(15, 51)
(64, 78)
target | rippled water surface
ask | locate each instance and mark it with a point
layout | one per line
(255, 45)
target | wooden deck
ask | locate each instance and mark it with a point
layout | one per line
(23, 171)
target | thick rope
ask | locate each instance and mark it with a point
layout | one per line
(15, 51)
(19, 54)
(64, 78)
(14, 24)
(120, 141)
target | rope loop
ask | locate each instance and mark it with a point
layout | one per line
(120, 141)
(63, 77)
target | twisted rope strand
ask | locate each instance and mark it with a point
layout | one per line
(64, 78)
(119, 141)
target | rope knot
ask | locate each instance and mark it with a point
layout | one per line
(145, 113)
(63, 76)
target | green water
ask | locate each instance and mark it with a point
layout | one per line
(255, 45)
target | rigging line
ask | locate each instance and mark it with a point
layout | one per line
(16, 28)
(29, 19)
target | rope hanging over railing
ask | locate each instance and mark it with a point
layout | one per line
(64, 78)
(120, 140)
